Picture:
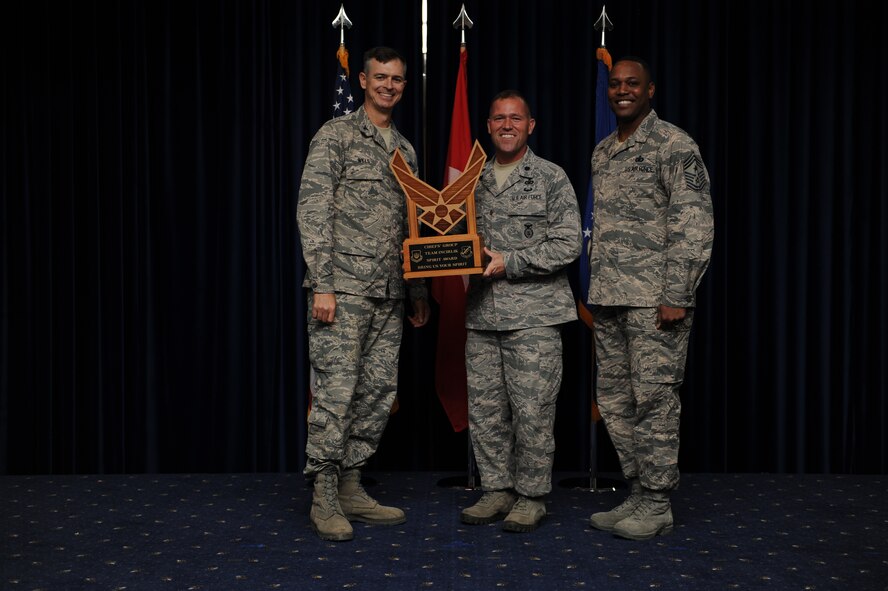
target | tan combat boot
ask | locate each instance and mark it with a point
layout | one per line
(492, 506)
(606, 520)
(357, 505)
(651, 517)
(525, 515)
(326, 515)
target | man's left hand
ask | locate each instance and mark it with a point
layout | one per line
(421, 313)
(497, 265)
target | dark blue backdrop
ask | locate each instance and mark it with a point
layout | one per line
(152, 315)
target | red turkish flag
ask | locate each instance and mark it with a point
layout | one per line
(450, 291)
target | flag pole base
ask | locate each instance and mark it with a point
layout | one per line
(366, 481)
(468, 480)
(459, 482)
(592, 483)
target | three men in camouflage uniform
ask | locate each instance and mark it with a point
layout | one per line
(651, 242)
(527, 213)
(352, 222)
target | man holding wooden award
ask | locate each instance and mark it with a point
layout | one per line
(526, 213)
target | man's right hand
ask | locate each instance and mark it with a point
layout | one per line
(324, 307)
(668, 315)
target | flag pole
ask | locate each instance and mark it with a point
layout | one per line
(603, 24)
(341, 22)
(450, 291)
(462, 23)
(342, 96)
(424, 29)
(343, 101)
(594, 484)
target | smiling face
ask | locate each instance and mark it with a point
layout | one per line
(509, 125)
(383, 85)
(629, 93)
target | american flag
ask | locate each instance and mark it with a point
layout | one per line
(343, 100)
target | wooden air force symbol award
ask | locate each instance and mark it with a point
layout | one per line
(445, 254)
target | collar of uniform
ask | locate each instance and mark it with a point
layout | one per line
(525, 166)
(367, 127)
(612, 146)
(528, 164)
(644, 130)
(369, 130)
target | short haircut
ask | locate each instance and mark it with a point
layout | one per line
(512, 93)
(383, 55)
(644, 65)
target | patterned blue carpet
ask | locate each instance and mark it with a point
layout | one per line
(251, 531)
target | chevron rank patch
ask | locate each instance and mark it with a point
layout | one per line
(694, 173)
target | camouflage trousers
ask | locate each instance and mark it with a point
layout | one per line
(355, 361)
(513, 383)
(640, 371)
